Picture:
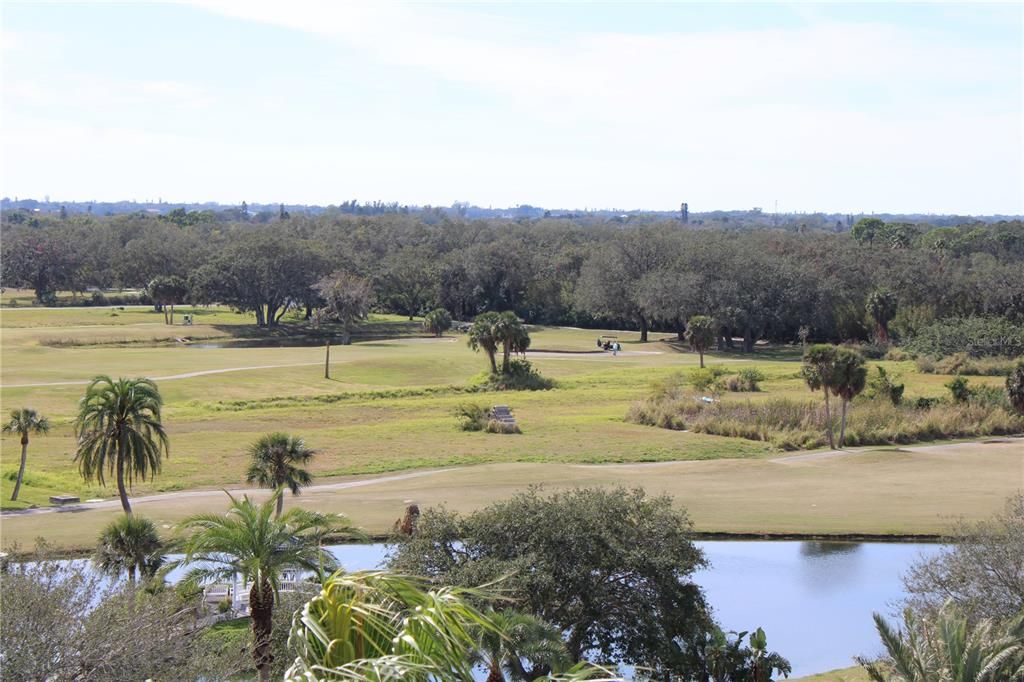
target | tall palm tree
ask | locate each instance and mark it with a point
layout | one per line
(252, 541)
(515, 638)
(849, 377)
(482, 337)
(129, 544)
(818, 371)
(119, 430)
(511, 333)
(24, 422)
(700, 334)
(275, 461)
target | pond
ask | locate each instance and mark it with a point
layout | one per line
(814, 599)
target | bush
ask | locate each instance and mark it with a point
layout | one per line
(520, 377)
(976, 336)
(874, 351)
(747, 380)
(883, 385)
(437, 322)
(706, 379)
(472, 416)
(497, 426)
(896, 354)
(224, 605)
(958, 389)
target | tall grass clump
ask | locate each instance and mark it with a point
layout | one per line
(791, 424)
(962, 363)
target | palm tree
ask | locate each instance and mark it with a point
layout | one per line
(275, 463)
(881, 305)
(482, 337)
(848, 380)
(511, 333)
(24, 422)
(374, 625)
(700, 334)
(437, 321)
(946, 648)
(252, 541)
(1014, 387)
(119, 430)
(818, 372)
(129, 543)
(515, 638)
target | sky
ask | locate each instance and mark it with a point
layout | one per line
(863, 107)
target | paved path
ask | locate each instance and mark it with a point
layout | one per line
(830, 454)
(115, 503)
(171, 377)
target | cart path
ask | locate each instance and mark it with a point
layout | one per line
(171, 377)
(830, 454)
(217, 494)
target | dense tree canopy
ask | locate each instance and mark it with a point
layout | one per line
(640, 274)
(611, 569)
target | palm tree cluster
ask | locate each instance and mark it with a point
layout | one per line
(493, 330)
(130, 544)
(837, 371)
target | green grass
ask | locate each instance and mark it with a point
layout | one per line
(854, 674)
(387, 407)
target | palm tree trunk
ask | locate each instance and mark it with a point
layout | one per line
(505, 353)
(494, 364)
(643, 329)
(701, 353)
(828, 422)
(172, 313)
(842, 425)
(120, 477)
(261, 607)
(280, 503)
(21, 469)
(327, 359)
(495, 674)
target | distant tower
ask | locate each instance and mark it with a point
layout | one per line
(684, 213)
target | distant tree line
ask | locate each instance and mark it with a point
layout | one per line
(877, 280)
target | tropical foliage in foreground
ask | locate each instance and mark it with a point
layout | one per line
(948, 648)
(374, 625)
(252, 541)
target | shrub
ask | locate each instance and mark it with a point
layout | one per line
(959, 390)
(896, 354)
(706, 378)
(437, 322)
(975, 336)
(224, 605)
(497, 426)
(520, 377)
(883, 385)
(747, 379)
(472, 416)
(98, 298)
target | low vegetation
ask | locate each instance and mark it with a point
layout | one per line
(976, 337)
(793, 424)
(962, 363)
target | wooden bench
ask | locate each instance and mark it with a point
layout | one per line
(63, 499)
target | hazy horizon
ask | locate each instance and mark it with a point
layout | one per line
(836, 108)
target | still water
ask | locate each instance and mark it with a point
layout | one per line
(814, 599)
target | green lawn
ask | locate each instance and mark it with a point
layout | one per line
(387, 407)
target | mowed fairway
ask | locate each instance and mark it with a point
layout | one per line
(875, 492)
(388, 407)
